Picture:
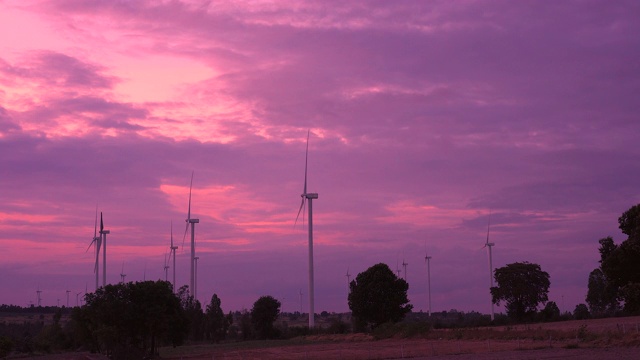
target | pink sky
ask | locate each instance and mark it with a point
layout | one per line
(424, 118)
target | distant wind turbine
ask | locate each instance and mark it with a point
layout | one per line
(96, 242)
(122, 274)
(398, 268)
(103, 234)
(309, 196)
(427, 259)
(38, 298)
(68, 291)
(489, 245)
(348, 281)
(192, 222)
(172, 253)
(77, 296)
(300, 293)
(166, 268)
(404, 265)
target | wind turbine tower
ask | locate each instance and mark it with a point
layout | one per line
(38, 298)
(97, 241)
(404, 265)
(68, 291)
(489, 245)
(192, 222)
(427, 258)
(122, 274)
(348, 281)
(103, 235)
(309, 196)
(195, 289)
(172, 252)
(166, 268)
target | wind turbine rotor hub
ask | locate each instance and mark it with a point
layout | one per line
(310, 196)
(193, 221)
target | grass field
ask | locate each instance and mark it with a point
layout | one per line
(616, 338)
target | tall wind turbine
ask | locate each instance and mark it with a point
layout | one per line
(489, 245)
(192, 222)
(97, 241)
(309, 196)
(427, 258)
(172, 252)
(103, 234)
(122, 274)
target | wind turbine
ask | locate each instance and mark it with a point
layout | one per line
(68, 291)
(122, 274)
(192, 222)
(427, 258)
(348, 281)
(97, 241)
(404, 265)
(172, 252)
(300, 293)
(38, 298)
(398, 268)
(103, 234)
(489, 245)
(309, 196)
(77, 296)
(166, 268)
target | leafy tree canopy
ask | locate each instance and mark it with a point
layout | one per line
(522, 286)
(264, 313)
(378, 296)
(620, 264)
(131, 320)
(217, 323)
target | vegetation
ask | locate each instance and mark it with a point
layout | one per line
(620, 269)
(264, 313)
(378, 296)
(132, 320)
(522, 286)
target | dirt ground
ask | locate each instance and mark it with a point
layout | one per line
(614, 338)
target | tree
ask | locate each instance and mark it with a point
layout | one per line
(132, 320)
(620, 264)
(522, 286)
(551, 312)
(601, 295)
(217, 323)
(194, 313)
(581, 312)
(378, 296)
(264, 313)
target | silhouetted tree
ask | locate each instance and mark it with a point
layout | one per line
(378, 296)
(551, 312)
(522, 286)
(601, 295)
(621, 263)
(581, 312)
(132, 320)
(217, 323)
(264, 313)
(194, 313)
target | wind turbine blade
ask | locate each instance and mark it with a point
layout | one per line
(302, 205)
(190, 187)
(306, 158)
(95, 226)
(185, 236)
(172, 233)
(488, 227)
(101, 223)
(91, 243)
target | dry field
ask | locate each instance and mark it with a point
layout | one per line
(616, 338)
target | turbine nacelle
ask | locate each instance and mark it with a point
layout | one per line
(192, 221)
(310, 196)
